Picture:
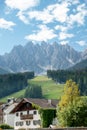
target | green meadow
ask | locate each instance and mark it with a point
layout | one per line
(50, 89)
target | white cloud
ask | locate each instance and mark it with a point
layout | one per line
(70, 1)
(43, 16)
(64, 42)
(55, 12)
(22, 17)
(21, 5)
(43, 34)
(82, 43)
(61, 28)
(80, 15)
(65, 35)
(60, 11)
(6, 24)
(74, 2)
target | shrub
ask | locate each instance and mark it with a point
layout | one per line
(47, 116)
(5, 126)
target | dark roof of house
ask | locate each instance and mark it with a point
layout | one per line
(43, 103)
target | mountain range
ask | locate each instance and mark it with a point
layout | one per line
(40, 57)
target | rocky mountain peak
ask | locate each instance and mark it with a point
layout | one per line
(40, 57)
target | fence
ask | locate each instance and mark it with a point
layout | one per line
(70, 128)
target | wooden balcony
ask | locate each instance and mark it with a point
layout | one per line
(23, 117)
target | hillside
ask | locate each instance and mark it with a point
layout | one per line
(14, 82)
(80, 65)
(79, 76)
(3, 71)
(50, 89)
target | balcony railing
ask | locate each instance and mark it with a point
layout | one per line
(30, 116)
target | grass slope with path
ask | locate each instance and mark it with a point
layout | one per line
(50, 89)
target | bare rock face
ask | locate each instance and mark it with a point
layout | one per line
(39, 57)
(84, 55)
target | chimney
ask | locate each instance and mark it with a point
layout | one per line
(49, 101)
(11, 100)
(8, 100)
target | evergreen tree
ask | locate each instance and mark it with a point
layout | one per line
(33, 91)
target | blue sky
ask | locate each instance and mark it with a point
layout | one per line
(63, 21)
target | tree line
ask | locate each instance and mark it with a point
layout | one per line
(79, 76)
(10, 83)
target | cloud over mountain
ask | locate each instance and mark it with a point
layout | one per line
(63, 21)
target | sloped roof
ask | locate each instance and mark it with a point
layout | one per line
(9, 108)
(43, 103)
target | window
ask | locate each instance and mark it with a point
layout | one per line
(17, 114)
(39, 122)
(17, 123)
(21, 123)
(27, 112)
(36, 122)
(35, 112)
(21, 113)
(27, 105)
(28, 122)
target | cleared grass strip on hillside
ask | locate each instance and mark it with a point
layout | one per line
(50, 89)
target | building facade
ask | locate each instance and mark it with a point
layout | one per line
(27, 114)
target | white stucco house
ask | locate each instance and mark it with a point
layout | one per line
(8, 118)
(27, 116)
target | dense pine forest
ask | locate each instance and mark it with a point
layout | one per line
(79, 76)
(10, 83)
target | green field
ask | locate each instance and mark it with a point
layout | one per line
(50, 89)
